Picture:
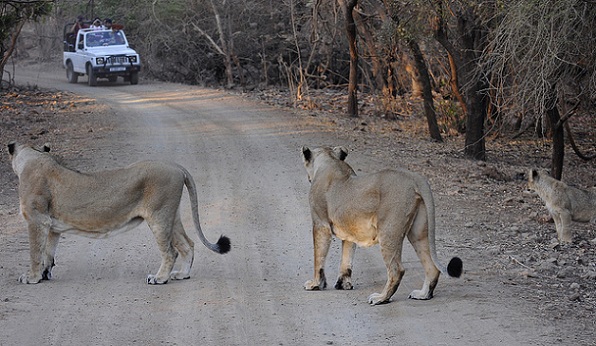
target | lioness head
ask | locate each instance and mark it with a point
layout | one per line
(534, 176)
(14, 148)
(308, 156)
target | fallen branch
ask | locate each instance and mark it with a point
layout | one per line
(516, 261)
(574, 146)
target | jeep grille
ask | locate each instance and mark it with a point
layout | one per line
(118, 60)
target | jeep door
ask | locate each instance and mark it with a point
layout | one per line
(82, 56)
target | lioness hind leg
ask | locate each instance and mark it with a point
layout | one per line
(50, 252)
(395, 272)
(185, 247)
(163, 236)
(392, 233)
(418, 237)
(344, 281)
(391, 243)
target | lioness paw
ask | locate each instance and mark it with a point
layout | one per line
(152, 280)
(25, 279)
(47, 274)
(312, 285)
(178, 275)
(344, 283)
(420, 295)
(376, 299)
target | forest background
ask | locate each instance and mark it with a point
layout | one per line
(478, 69)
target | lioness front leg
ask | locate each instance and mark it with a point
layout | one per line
(564, 227)
(321, 240)
(344, 281)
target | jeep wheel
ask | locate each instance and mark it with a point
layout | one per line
(71, 75)
(134, 78)
(92, 76)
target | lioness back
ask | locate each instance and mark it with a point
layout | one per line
(117, 194)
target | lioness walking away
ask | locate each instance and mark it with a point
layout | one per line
(382, 208)
(55, 199)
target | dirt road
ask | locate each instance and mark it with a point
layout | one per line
(252, 188)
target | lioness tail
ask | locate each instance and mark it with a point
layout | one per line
(455, 266)
(223, 244)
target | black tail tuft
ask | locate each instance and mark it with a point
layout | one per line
(223, 244)
(455, 267)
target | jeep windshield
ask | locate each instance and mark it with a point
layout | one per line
(104, 39)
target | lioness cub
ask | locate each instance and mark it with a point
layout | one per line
(565, 203)
(55, 199)
(382, 208)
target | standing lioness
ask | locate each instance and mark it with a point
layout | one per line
(382, 208)
(55, 199)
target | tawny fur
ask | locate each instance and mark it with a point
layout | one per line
(54, 200)
(381, 208)
(564, 203)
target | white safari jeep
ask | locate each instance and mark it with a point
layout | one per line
(100, 54)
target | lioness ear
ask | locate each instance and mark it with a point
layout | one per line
(11, 147)
(306, 154)
(46, 148)
(340, 153)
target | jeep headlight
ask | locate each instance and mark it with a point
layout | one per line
(132, 59)
(100, 61)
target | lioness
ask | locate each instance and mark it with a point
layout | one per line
(565, 203)
(54, 199)
(381, 208)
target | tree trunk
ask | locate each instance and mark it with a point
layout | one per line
(454, 82)
(424, 79)
(223, 48)
(558, 154)
(454, 56)
(226, 47)
(373, 52)
(473, 38)
(477, 105)
(412, 71)
(348, 6)
(6, 54)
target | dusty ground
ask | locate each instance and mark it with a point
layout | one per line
(499, 229)
(505, 226)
